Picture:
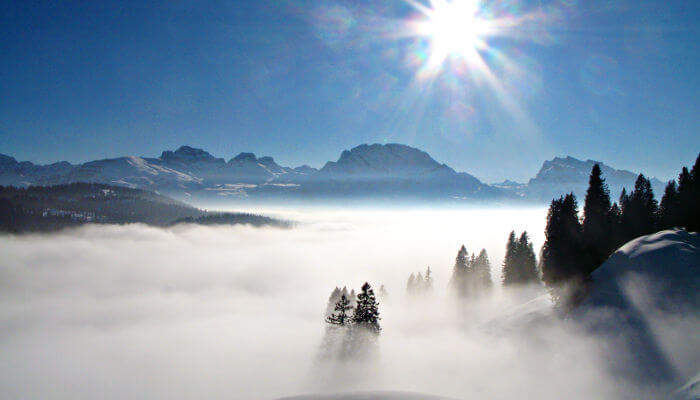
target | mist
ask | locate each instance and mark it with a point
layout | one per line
(238, 312)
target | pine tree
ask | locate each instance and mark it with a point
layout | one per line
(411, 284)
(367, 310)
(561, 252)
(482, 271)
(460, 272)
(616, 236)
(420, 283)
(527, 262)
(694, 221)
(596, 222)
(509, 274)
(669, 207)
(353, 298)
(340, 317)
(332, 300)
(685, 198)
(428, 285)
(640, 212)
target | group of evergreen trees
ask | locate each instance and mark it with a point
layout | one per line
(335, 297)
(417, 284)
(679, 204)
(471, 276)
(575, 247)
(365, 306)
(520, 264)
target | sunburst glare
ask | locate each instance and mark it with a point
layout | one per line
(454, 29)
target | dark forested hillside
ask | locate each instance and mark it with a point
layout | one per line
(49, 208)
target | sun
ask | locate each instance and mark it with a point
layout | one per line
(454, 29)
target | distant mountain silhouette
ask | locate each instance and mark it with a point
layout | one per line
(567, 174)
(392, 171)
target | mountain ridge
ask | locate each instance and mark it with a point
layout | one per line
(368, 170)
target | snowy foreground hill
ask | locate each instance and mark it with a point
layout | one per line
(645, 299)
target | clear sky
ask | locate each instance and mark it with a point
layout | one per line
(493, 90)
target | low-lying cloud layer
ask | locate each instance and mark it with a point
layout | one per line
(237, 312)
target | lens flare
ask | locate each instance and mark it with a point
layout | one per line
(454, 29)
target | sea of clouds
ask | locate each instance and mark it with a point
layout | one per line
(194, 312)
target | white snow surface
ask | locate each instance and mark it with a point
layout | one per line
(645, 299)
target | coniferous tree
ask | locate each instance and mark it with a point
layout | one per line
(340, 317)
(352, 298)
(420, 283)
(482, 271)
(367, 310)
(509, 274)
(693, 224)
(527, 262)
(411, 284)
(685, 197)
(596, 221)
(520, 264)
(640, 211)
(669, 207)
(332, 300)
(561, 252)
(428, 284)
(616, 236)
(460, 273)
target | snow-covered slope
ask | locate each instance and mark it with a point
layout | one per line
(645, 299)
(669, 259)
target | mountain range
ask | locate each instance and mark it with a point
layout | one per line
(390, 171)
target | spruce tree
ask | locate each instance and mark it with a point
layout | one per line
(482, 271)
(668, 209)
(616, 236)
(367, 310)
(340, 317)
(596, 222)
(332, 300)
(685, 198)
(527, 262)
(640, 212)
(428, 285)
(561, 252)
(509, 275)
(694, 222)
(420, 282)
(352, 298)
(411, 284)
(459, 274)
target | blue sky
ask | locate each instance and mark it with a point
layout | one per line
(615, 81)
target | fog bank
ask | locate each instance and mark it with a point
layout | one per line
(237, 312)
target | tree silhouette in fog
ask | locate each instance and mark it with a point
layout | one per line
(367, 310)
(639, 210)
(562, 266)
(418, 285)
(460, 273)
(340, 317)
(597, 224)
(520, 263)
(669, 207)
